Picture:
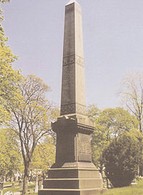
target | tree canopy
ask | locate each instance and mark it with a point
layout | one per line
(110, 123)
(121, 160)
(30, 117)
(8, 76)
(10, 156)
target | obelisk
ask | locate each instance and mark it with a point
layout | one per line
(73, 84)
(73, 172)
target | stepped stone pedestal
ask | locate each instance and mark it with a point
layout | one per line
(83, 179)
(73, 172)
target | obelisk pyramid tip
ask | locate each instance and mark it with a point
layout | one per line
(72, 1)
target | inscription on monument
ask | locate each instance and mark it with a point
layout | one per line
(72, 108)
(67, 60)
(84, 147)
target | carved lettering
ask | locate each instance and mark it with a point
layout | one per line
(84, 147)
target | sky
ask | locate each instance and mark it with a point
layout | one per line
(112, 37)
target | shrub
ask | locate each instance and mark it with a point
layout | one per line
(121, 160)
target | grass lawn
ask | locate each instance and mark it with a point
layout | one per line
(136, 189)
(17, 188)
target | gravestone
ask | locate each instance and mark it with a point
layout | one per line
(73, 172)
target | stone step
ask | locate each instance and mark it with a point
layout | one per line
(73, 173)
(92, 191)
(73, 183)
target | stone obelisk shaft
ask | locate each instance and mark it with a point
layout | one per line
(73, 83)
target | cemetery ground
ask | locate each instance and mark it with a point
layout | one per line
(14, 188)
(134, 189)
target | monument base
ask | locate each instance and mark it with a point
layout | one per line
(70, 192)
(75, 178)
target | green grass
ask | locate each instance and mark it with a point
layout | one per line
(16, 188)
(7, 187)
(136, 189)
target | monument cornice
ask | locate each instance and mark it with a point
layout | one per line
(72, 124)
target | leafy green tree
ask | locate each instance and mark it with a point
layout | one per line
(121, 160)
(110, 123)
(8, 76)
(116, 121)
(10, 157)
(31, 115)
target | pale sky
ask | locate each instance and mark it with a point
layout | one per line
(113, 43)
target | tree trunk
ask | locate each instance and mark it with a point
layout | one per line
(140, 124)
(25, 179)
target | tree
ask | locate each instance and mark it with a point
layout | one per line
(8, 76)
(116, 121)
(132, 96)
(10, 156)
(30, 113)
(110, 123)
(121, 160)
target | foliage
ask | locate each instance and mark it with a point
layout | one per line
(23, 103)
(116, 121)
(44, 155)
(30, 117)
(121, 160)
(30, 113)
(10, 156)
(8, 76)
(109, 124)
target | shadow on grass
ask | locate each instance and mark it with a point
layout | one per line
(136, 189)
